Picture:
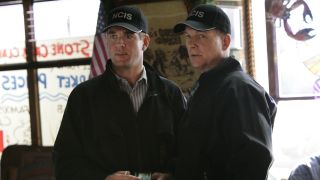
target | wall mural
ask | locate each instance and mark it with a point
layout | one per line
(167, 52)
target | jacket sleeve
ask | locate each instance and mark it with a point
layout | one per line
(247, 130)
(70, 161)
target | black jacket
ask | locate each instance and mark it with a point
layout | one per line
(227, 128)
(100, 133)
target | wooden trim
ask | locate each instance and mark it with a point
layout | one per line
(34, 101)
(272, 53)
(297, 98)
(249, 38)
(45, 64)
(6, 2)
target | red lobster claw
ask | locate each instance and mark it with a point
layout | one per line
(303, 34)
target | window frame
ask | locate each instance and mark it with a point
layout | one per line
(272, 58)
(32, 66)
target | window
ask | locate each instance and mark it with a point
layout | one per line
(298, 61)
(12, 44)
(64, 35)
(294, 81)
(37, 77)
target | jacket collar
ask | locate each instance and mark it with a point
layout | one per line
(228, 65)
(152, 76)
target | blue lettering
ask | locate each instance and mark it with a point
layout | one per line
(22, 82)
(11, 82)
(42, 79)
(82, 78)
(74, 80)
(71, 81)
(67, 82)
(5, 83)
(14, 82)
(60, 80)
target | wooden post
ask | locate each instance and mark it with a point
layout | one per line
(249, 39)
(272, 52)
(32, 75)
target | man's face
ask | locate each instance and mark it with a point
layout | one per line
(125, 48)
(205, 48)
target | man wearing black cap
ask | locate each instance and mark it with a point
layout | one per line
(227, 128)
(121, 124)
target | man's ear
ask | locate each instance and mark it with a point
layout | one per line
(146, 42)
(226, 41)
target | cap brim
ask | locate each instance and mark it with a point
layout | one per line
(124, 25)
(180, 27)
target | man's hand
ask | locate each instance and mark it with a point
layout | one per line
(121, 175)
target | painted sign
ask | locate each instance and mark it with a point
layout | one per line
(46, 50)
(55, 85)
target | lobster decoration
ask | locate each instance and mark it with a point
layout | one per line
(280, 9)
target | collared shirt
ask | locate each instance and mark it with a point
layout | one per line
(138, 91)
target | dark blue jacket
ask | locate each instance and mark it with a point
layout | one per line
(309, 170)
(100, 133)
(227, 128)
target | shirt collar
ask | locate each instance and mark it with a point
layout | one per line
(141, 78)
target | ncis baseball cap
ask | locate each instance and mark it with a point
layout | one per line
(129, 17)
(205, 17)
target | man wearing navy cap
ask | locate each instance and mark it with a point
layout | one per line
(123, 123)
(227, 128)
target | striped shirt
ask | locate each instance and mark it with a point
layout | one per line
(137, 92)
